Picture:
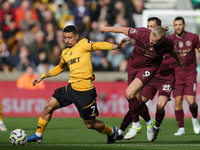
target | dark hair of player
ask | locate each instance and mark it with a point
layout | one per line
(70, 28)
(158, 21)
(179, 18)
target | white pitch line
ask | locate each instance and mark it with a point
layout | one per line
(95, 145)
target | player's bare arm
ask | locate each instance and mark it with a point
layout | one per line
(103, 28)
(176, 56)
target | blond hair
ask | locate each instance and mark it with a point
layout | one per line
(160, 32)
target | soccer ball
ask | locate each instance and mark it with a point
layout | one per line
(18, 137)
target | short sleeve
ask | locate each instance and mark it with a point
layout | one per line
(140, 34)
(133, 33)
(196, 42)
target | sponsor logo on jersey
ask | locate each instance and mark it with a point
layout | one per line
(151, 48)
(73, 61)
(184, 52)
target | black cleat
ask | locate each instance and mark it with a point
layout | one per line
(112, 138)
(119, 137)
(155, 134)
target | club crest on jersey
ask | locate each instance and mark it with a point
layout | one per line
(70, 53)
(188, 43)
(180, 44)
(151, 48)
(133, 31)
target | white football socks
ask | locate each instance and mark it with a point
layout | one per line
(39, 134)
(120, 132)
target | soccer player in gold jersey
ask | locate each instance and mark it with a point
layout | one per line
(2, 126)
(80, 91)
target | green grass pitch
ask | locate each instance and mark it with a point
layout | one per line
(71, 134)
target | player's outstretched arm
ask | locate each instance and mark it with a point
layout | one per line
(109, 46)
(175, 55)
(103, 28)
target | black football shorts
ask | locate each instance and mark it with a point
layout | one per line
(85, 101)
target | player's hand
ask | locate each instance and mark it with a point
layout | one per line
(123, 42)
(37, 80)
(102, 28)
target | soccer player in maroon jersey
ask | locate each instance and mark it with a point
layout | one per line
(146, 57)
(185, 44)
(163, 82)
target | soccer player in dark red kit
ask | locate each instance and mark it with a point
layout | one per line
(186, 84)
(163, 82)
(146, 57)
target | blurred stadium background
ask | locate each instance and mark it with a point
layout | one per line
(31, 35)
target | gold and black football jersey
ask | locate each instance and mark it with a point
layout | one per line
(79, 61)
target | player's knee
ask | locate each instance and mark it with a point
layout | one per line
(129, 94)
(48, 108)
(160, 108)
(89, 125)
(178, 102)
(193, 104)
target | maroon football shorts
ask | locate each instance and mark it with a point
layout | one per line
(185, 83)
(144, 74)
(150, 91)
